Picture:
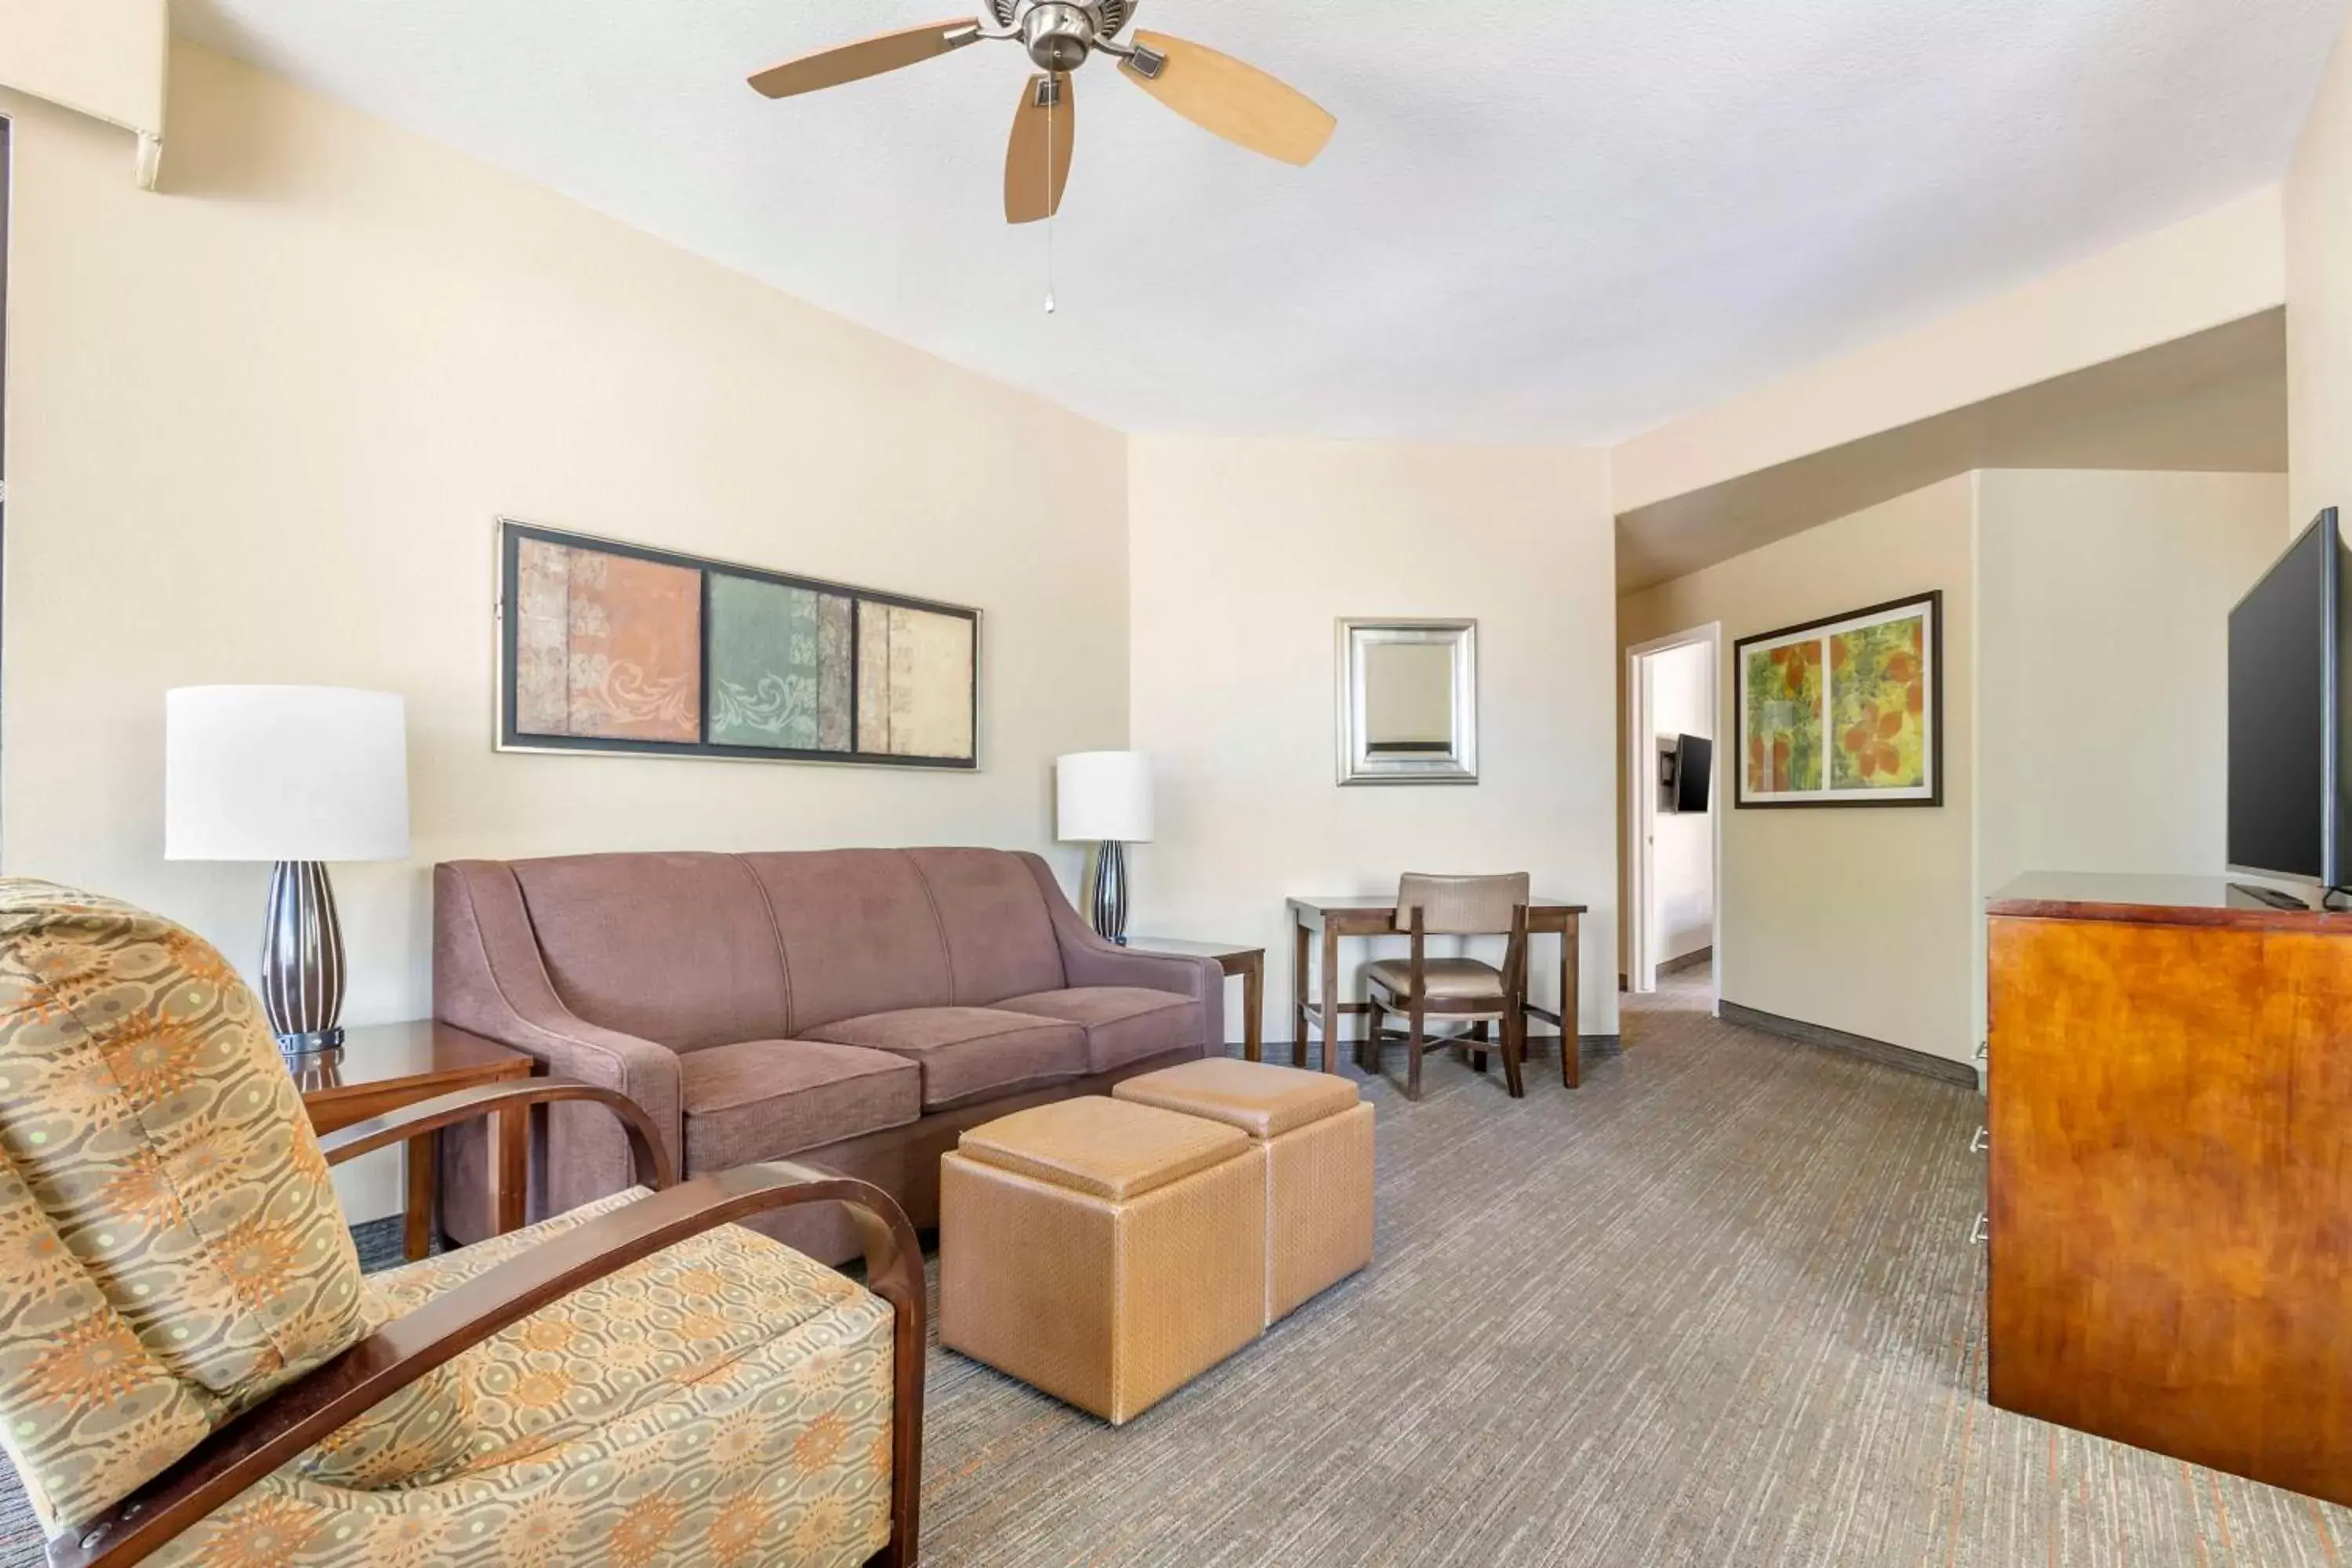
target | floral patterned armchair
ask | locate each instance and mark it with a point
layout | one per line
(192, 1369)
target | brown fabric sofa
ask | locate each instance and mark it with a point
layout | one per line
(856, 1009)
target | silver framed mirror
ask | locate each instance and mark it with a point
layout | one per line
(1408, 702)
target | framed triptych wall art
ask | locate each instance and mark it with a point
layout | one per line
(1845, 712)
(605, 646)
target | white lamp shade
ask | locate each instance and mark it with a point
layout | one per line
(284, 773)
(1103, 797)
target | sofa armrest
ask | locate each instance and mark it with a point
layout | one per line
(487, 978)
(1088, 960)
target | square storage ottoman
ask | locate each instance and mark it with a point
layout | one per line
(1103, 1252)
(1315, 1137)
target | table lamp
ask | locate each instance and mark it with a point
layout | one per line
(296, 775)
(1105, 798)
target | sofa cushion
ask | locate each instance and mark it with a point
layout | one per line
(858, 933)
(676, 949)
(970, 1054)
(1123, 1024)
(765, 1100)
(999, 932)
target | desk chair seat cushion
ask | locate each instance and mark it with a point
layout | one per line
(1448, 979)
(724, 1401)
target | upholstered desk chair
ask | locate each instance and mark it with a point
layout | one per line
(1419, 988)
(193, 1370)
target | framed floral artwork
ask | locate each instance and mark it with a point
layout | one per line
(1848, 711)
(607, 647)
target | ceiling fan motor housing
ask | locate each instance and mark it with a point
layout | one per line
(1058, 33)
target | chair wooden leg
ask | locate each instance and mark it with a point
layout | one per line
(1478, 1032)
(1514, 1046)
(1413, 1055)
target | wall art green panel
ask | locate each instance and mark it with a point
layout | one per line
(780, 665)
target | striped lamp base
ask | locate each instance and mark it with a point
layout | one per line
(302, 970)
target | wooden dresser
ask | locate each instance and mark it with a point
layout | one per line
(2171, 1171)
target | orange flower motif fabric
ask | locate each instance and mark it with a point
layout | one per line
(170, 1260)
(769, 1447)
(171, 1252)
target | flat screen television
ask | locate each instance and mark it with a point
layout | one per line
(2287, 743)
(1690, 772)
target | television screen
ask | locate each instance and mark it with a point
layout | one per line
(1694, 766)
(2284, 743)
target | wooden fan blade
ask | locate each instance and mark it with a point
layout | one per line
(1037, 163)
(868, 56)
(1238, 101)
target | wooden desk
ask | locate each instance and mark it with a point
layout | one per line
(1334, 918)
(1249, 963)
(386, 1066)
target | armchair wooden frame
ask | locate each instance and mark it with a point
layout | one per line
(1418, 1007)
(258, 1442)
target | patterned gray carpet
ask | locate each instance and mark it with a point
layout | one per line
(1716, 1309)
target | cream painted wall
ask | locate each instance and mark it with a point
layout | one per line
(2102, 670)
(259, 426)
(1859, 920)
(2219, 266)
(1867, 921)
(102, 57)
(1244, 554)
(2318, 219)
(1682, 702)
(2126, 580)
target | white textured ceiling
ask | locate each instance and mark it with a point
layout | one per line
(1553, 220)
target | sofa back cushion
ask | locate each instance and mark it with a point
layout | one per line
(879, 930)
(676, 949)
(858, 931)
(999, 933)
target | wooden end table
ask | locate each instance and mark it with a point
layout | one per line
(1235, 958)
(385, 1067)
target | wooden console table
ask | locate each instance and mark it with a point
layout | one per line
(1333, 918)
(1235, 958)
(388, 1067)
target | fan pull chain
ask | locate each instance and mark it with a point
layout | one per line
(1051, 105)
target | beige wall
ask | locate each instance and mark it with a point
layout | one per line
(2103, 672)
(2319, 301)
(2102, 602)
(2086, 704)
(1245, 555)
(259, 426)
(103, 57)
(2220, 267)
(1859, 920)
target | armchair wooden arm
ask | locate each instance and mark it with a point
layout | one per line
(653, 1161)
(257, 1443)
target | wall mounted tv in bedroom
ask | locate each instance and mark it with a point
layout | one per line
(2288, 750)
(1685, 767)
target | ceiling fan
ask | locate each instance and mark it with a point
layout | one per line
(1216, 92)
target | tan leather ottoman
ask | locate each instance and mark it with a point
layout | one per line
(1317, 1139)
(1105, 1253)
